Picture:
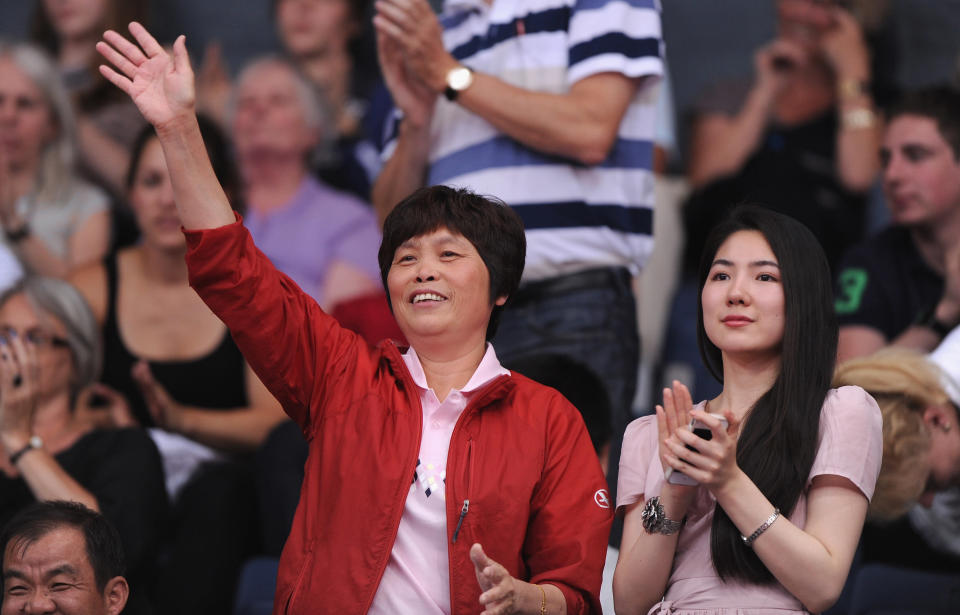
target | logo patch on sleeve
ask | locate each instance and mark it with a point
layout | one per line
(602, 498)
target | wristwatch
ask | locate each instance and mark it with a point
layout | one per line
(656, 522)
(18, 234)
(32, 443)
(458, 80)
(929, 320)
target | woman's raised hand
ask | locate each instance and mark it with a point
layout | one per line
(161, 85)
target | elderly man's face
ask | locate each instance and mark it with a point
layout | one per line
(54, 575)
(269, 118)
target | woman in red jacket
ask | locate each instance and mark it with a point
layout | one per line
(437, 481)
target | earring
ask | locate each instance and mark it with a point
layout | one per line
(946, 427)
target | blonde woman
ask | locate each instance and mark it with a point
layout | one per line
(921, 459)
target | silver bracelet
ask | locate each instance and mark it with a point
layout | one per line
(748, 540)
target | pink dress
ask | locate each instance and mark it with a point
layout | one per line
(850, 445)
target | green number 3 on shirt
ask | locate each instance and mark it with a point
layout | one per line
(852, 284)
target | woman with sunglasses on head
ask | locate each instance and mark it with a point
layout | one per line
(767, 513)
(49, 354)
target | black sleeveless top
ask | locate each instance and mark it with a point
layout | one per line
(215, 381)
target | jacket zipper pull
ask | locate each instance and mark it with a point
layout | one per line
(463, 513)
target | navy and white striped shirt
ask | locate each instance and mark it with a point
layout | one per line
(577, 217)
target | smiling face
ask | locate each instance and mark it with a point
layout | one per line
(27, 125)
(52, 575)
(440, 289)
(742, 297)
(921, 174)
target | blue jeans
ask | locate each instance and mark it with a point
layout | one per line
(595, 324)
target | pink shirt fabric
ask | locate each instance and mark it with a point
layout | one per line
(850, 445)
(417, 577)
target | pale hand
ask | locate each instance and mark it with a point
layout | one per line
(844, 47)
(673, 416)
(415, 28)
(160, 85)
(499, 590)
(166, 412)
(949, 306)
(214, 86)
(714, 462)
(104, 408)
(775, 63)
(411, 95)
(19, 377)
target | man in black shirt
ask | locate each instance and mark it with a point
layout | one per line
(902, 286)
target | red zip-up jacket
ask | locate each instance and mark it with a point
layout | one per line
(523, 479)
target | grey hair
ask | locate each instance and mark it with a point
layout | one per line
(57, 160)
(55, 298)
(316, 111)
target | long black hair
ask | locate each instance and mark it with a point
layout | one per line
(778, 441)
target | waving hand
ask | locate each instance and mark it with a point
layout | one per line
(161, 85)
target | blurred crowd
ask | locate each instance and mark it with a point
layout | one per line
(131, 397)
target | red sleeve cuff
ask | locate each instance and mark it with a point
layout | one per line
(575, 602)
(195, 236)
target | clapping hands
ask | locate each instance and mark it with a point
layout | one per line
(19, 377)
(166, 412)
(714, 461)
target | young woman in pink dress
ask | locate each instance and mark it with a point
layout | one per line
(779, 493)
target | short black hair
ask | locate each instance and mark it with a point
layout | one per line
(941, 104)
(103, 544)
(494, 229)
(578, 383)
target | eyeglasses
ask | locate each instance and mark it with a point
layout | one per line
(38, 337)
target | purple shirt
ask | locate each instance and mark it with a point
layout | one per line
(318, 227)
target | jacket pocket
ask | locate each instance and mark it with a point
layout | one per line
(293, 592)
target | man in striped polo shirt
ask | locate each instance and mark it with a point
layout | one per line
(549, 105)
